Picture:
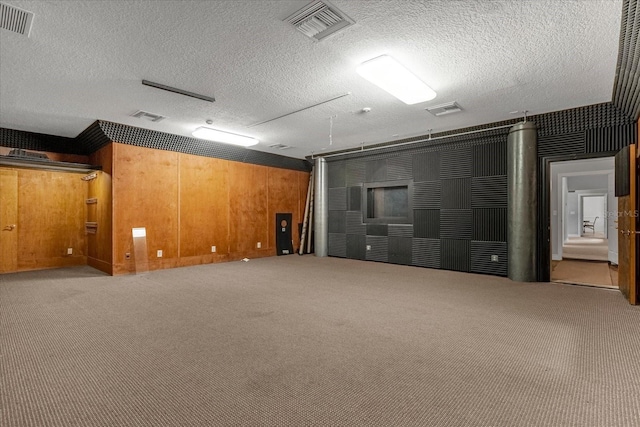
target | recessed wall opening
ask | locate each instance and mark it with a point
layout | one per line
(583, 210)
(388, 202)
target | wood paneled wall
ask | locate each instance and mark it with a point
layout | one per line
(100, 247)
(49, 217)
(189, 204)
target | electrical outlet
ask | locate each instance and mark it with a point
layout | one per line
(213, 248)
(159, 253)
(368, 247)
(69, 251)
(494, 258)
(259, 245)
(127, 255)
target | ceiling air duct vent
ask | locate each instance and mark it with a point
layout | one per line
(319, 20)
(148, 116)
(15, 19)
(280, 146)
(443, 109)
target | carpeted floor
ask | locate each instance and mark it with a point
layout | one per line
(305, 341)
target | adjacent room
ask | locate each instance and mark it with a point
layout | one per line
(319, 213)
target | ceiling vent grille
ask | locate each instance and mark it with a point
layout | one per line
(15, 19)
(279, 146)
(443, 109)
(148, 116)
(319, 20)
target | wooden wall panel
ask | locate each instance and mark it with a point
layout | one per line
(145, 194)
(248, 201)
(204, 209)
(100, 245)
(8, 220)
(51, 217)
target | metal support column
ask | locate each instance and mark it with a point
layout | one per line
(522, 215)
(321, 208)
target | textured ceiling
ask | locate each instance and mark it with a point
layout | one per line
(85, 61)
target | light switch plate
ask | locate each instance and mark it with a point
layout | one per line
(159, 253)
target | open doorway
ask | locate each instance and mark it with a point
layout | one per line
(583, 226)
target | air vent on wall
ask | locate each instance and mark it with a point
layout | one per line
(442, 109)
(319, 20)
(15, 19)
(148, 116)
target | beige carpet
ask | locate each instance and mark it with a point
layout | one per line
(303, 341)
(582, 272)
(587, 247)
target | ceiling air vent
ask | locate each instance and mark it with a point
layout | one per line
(148, 116)
(15, 19)
(279, 146)
(442, 109)
(319, 20)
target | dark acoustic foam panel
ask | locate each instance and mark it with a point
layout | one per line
(39, 142)
(337, 222)
(400, 230)
(400, 167)
(337, 245)
(427, 195)
(336, 174)
(355, 224)
(356, 173)
(481, 253)
(490, 159)
(489, 224)
(376, 170)
(610, 138)
(400, 250)
(426, 166)
(489, 192)
(454, 254)
(356, 246)
(425, 253)
(93, 138)
(456, 163)
(456, 193)
(561, 145)
(455, 224)
(378, 248)
(377, 229)
(426, 223)
(626, 89)
(354, 198)
(338, 199)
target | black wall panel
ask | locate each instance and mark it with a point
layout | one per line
(376, 170)
(356, 246)
(401, 230)
(338, 199)
(426, 166)
(454, 254)
(481, 253)
(427, 195)
(336, 172)
(355, 224)
(455, 224)
(337, 222)
(377, 229)
(426, 223)
(378, 247)
(400, 249)
(354, 198)
(489, 192)
(426, 253)
(456, 163)
(400, 167)
(490, 159)
(610, 138)
(456, 193)
(337, 245)
(356, 172)
(561, 145)
(490, 224)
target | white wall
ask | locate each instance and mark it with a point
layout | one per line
(572, 225)
(592, 208)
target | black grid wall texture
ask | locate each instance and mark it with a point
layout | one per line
(459, 191)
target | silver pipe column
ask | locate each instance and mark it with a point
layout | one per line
(321, 208)
(522, 216)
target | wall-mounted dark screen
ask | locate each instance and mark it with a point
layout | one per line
(388, 202)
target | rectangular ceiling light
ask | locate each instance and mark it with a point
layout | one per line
(224, 137)
(388, 74)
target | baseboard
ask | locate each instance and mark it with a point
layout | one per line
(556, 257)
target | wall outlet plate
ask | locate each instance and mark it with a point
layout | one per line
(368, 247)
(69, 251)
(127, 255)
(213, 248)
(159, 253)
(259, 245)
(494, 258)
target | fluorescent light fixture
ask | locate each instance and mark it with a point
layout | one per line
(224, 137)
(386, 73)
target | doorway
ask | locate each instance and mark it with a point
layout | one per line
(583, 211)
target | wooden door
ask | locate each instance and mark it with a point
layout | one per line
(8, 220)
(628, 229)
